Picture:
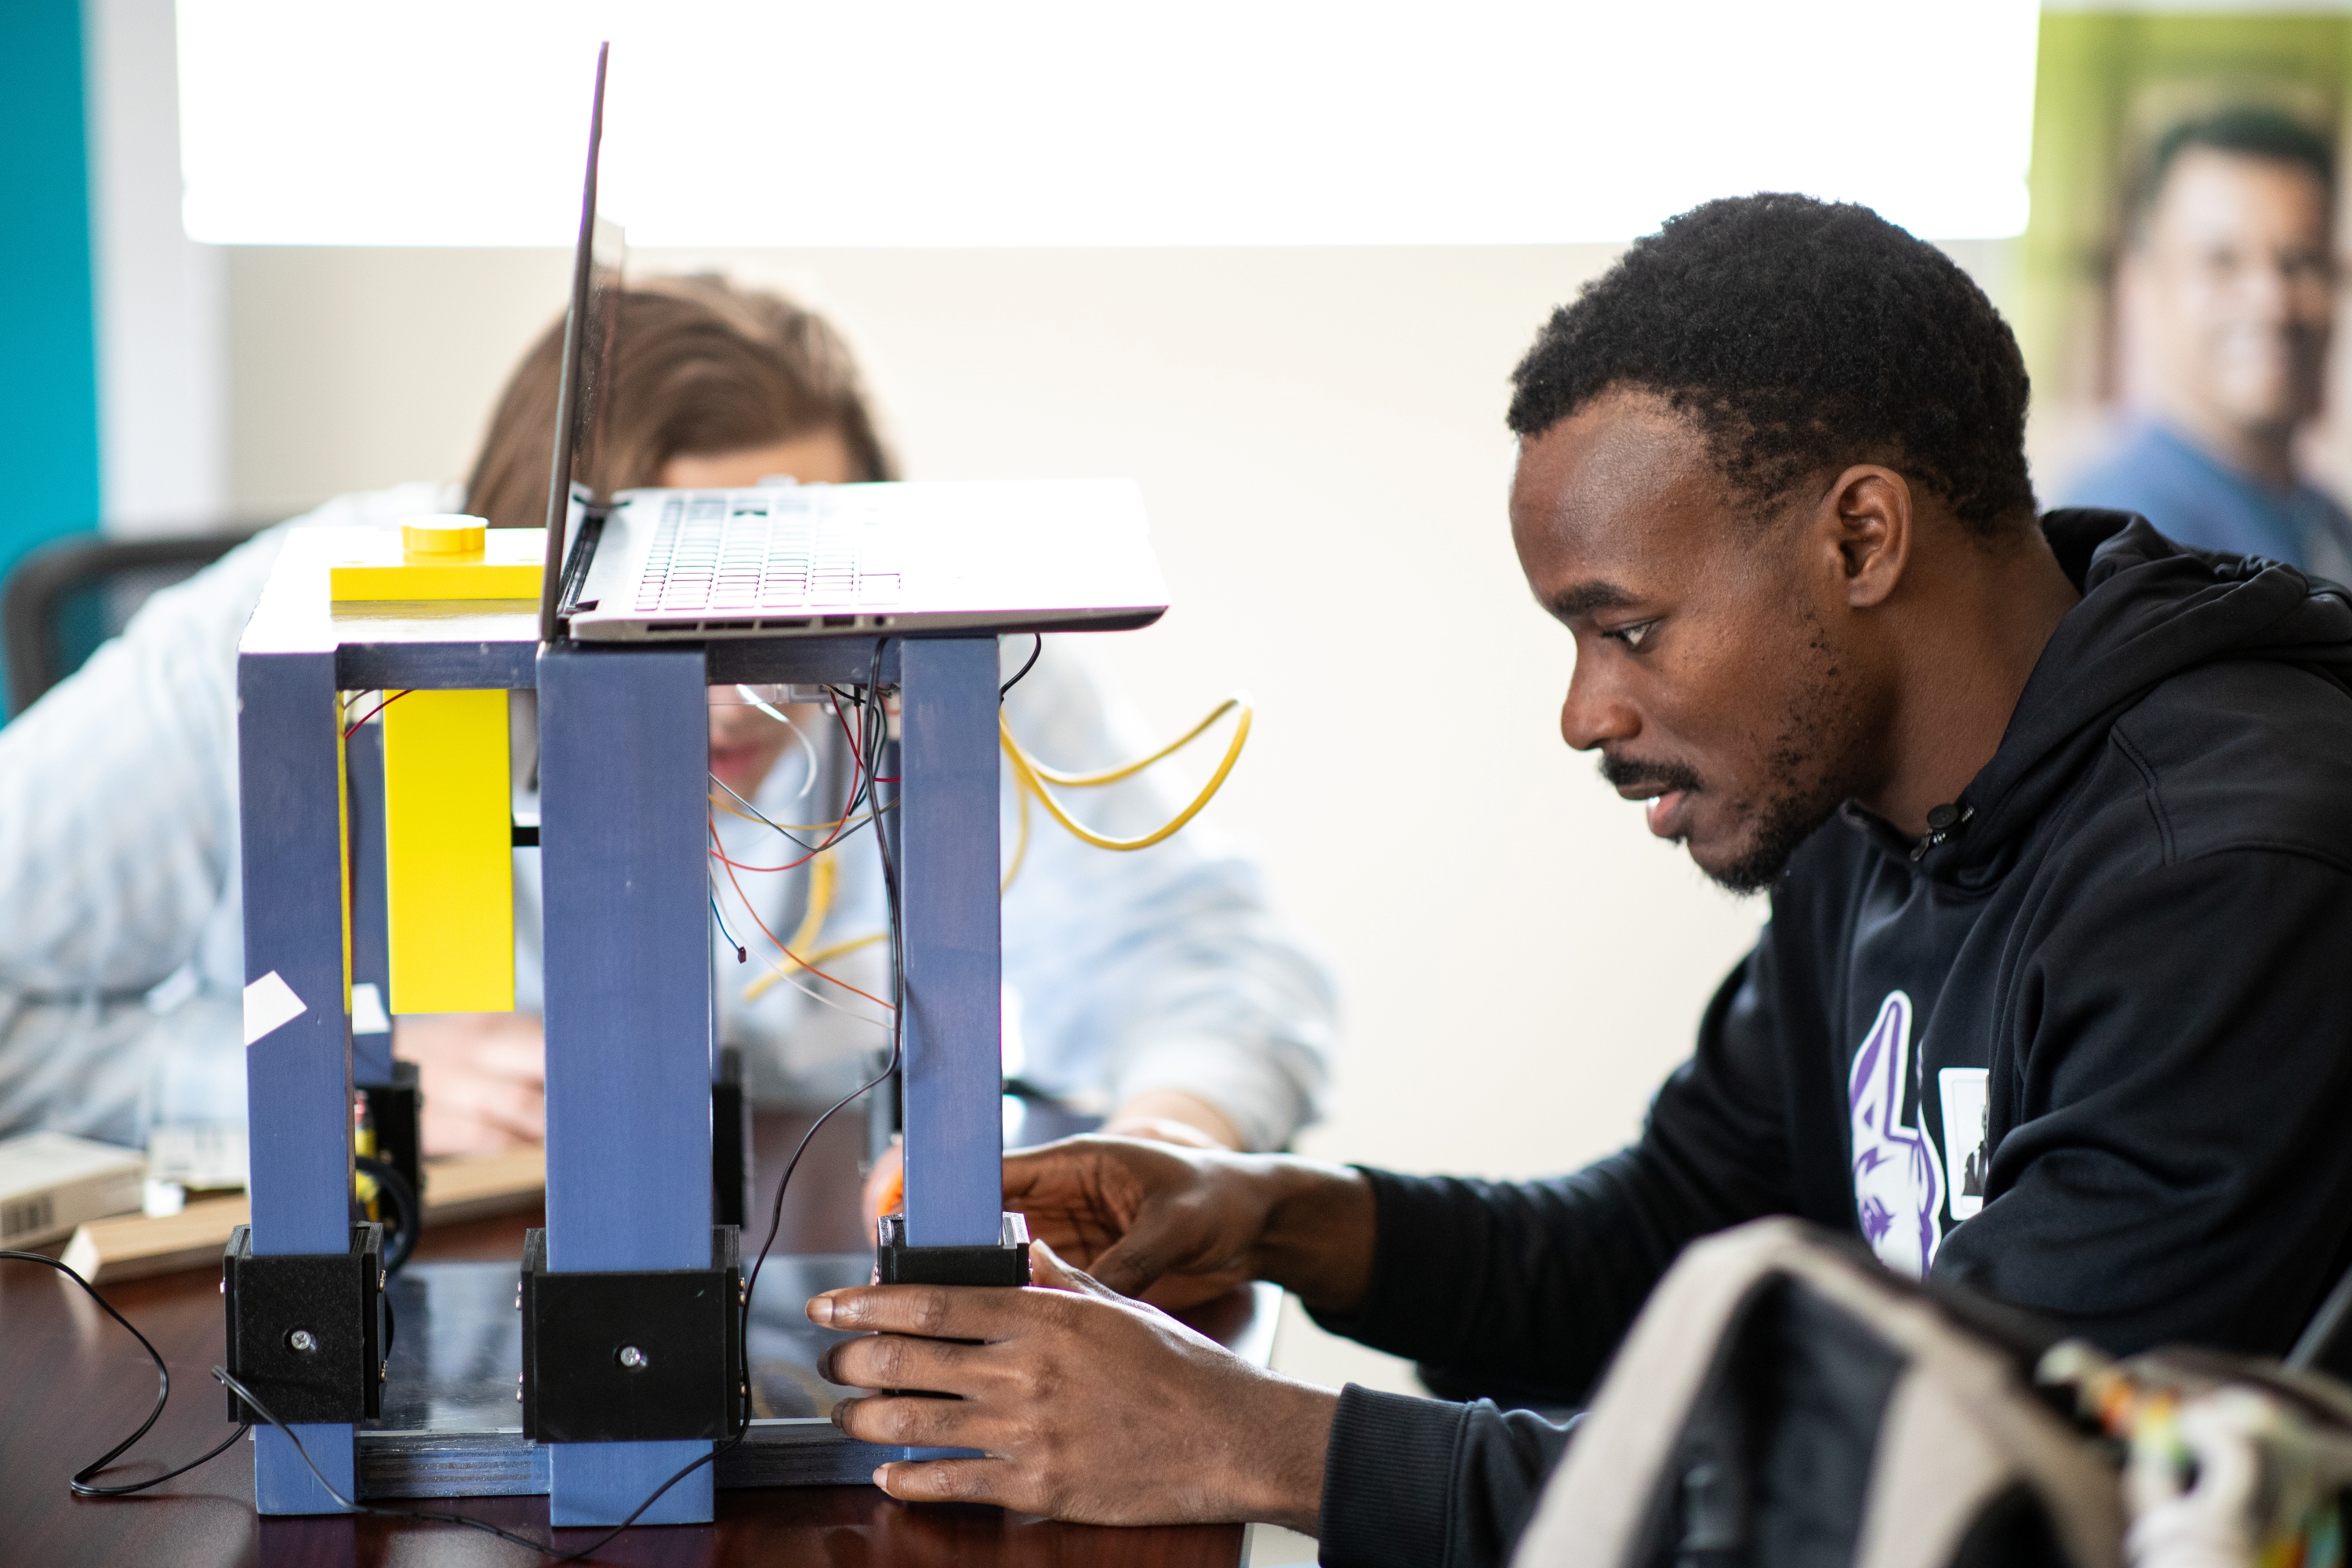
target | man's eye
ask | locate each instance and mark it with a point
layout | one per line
(1633, 636)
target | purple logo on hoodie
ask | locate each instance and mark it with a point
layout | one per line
(1899, 1183)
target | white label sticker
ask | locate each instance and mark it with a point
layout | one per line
(269, 1005)
(1966, 1103)
(368, 1016)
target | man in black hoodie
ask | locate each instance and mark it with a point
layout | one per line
(2057, 818)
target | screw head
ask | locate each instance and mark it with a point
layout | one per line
(635, 1359)
(302, 1341)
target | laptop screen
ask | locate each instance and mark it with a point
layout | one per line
(587, 354)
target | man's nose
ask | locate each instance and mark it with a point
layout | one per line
(1594, 713)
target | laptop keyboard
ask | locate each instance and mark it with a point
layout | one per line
(766, 552)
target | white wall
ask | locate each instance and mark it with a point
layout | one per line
(163, 350)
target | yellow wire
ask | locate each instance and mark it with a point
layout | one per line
(1032, 776)
(1112, 775)
(794, 826)
(1020, 844)
(822, 876)
(1029, 775)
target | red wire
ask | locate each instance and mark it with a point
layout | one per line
(854, 754)
(720, 855)
(787, 952)
(372, 712)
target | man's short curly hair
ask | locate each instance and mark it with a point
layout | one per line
(1800, 335)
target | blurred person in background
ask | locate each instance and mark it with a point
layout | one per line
(2228, 293)
(1156, 986)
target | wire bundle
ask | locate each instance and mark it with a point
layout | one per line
(1031, 777)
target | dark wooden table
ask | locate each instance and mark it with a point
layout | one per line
(72, 1384)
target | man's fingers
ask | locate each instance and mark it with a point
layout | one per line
(909, 1421)
(896, 1361)
(1047, 1268)
(947, 1480)
(1130, 1264)
(933, 1311)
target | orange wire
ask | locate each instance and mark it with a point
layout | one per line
(787, 952)
(720, 855)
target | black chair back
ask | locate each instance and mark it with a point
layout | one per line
(70, 595)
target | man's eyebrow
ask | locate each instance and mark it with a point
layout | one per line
(1586, 597)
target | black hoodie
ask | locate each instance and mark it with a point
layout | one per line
(2086, 1045)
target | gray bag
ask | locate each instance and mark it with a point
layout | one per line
(1785, 1402)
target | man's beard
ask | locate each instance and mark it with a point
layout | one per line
(1796, 798)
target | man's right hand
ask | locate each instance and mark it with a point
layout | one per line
(1177, 1226)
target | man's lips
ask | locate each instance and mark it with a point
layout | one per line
(1665, 812)
(1665, 788)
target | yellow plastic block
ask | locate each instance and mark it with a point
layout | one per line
(442, 558)
(450, 852)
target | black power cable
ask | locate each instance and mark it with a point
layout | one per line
(80, 1485)
(1036, 646)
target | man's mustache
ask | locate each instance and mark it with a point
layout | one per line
(1652, 779)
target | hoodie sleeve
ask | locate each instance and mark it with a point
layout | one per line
(1529, 1286)
(1487, 1469)
(2174, 1146)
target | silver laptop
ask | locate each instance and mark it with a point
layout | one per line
(817, 560)
(789, 560)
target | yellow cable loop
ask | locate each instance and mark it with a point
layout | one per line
(1033, 775)
(1021, 844)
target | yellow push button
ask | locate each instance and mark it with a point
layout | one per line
(440, 557)
(449, 537)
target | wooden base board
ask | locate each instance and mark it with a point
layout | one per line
(135, 1247)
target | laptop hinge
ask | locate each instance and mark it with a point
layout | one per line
(575, 566)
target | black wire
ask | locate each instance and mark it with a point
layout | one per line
(80, 1484)
(845, 834)
(434, 1516)
(1035, 647)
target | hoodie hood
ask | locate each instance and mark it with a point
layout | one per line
(2151, 610)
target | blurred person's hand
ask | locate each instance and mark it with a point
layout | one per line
(1172, 1116)
(483, 1077)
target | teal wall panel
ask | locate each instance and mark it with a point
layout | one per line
(48, 343)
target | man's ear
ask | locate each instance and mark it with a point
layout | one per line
(1868, 511)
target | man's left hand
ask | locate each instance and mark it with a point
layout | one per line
(1084, 1405)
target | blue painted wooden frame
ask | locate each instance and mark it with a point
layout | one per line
(371, 920)
(297, 1076)
(624, 738)
(946, 842)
